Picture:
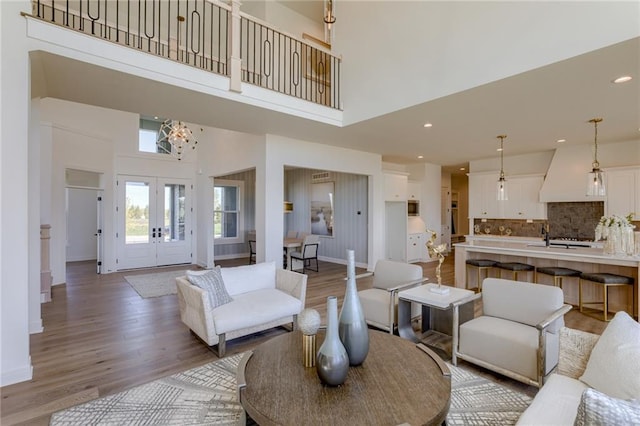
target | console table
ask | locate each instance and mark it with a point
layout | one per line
(399, 382)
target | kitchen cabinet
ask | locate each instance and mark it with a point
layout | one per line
(524, 198)
(482, 196)
(395, 186)
(623, 192)
(523, 192)
(413, 191)
(416, 247)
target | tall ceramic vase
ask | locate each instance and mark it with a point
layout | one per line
(353, 327)
(332, 361)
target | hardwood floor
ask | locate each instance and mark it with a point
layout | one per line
(100, 337)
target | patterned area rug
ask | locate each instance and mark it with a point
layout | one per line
(155, 284)
(206, 395)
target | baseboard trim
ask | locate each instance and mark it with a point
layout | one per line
(36, 327)
(16, 376)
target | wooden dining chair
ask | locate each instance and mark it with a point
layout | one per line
(307, 253)
(252, 252)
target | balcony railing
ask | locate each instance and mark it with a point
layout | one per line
(200, 33)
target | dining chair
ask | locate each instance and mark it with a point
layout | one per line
(252, 252)
(307, 253)
(292, 234)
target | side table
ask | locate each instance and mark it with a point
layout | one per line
(442, 314)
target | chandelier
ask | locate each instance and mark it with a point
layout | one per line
(174, 138)
(595, 182)
(501, 186)
(329, 17)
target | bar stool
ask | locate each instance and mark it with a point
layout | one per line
(515, 268)
(606, 280)
(557, 273)
(481, 265)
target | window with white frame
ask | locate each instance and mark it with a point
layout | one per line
(148, 136)
(228, 221)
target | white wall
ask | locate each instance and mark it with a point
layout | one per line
(430, 178)
(15, 220)
(452, 46)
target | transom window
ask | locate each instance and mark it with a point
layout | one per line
(148, 136)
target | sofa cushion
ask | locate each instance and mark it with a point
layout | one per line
(556, 403)
(243, 279)
(254, 308)
(211, 282)
(522, 302)
(511, 345)
(614, 364)
(597, 408)
(389, 274)
(375, 302)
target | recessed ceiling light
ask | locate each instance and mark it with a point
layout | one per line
(420, 156)
(499, 149)
(155, 117)
(561, 140)
(428, 125)
(463, 169)
(623, 79)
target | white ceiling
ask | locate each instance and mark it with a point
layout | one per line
(534, 108)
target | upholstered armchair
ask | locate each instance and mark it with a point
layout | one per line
(518, 333)
(307, 253)
(380, 303)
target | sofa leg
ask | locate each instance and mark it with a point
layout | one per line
(222, 345)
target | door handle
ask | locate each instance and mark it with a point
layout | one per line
(154, 233)
(159, 233)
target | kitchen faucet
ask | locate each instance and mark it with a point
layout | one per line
(545, 232)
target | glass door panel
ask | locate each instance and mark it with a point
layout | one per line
(137, 213)
(174, 212)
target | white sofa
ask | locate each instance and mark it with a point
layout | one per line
(263, 297)
(607, 364)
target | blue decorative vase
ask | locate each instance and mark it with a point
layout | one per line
(332, 361)
(353, 329)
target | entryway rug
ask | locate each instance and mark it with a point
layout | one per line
(155, 284)
(206, 395)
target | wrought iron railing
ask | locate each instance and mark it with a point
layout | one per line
(198, 33)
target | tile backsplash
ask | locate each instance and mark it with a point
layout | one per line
(566, 220)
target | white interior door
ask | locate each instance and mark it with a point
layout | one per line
(155, 221)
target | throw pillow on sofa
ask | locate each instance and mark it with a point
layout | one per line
(614, 364)
(211, 282)
(597, 408)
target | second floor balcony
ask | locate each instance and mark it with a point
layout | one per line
(208, 35)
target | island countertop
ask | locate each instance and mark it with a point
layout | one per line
(584, 259)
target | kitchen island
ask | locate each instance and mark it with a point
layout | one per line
(535, 252)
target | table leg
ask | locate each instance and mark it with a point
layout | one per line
(404, 321)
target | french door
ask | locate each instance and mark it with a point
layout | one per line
(154, 217)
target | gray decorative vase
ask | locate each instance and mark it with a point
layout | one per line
(332, 361)
(352, 326)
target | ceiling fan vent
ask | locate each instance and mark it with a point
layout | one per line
(320, 177)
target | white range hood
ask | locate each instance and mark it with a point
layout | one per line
(566, 179)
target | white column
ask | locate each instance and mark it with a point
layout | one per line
(235, 60)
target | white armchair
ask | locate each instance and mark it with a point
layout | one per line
(380, 303)
(518, 333)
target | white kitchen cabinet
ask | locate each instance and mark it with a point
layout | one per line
(395, 187)
(413, 191)
(524, 198)
(482, 196)
(416, 247)
(623, 192)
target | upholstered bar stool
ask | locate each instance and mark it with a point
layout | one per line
(515, 268)
(480, 265)
(557, 273)
(606, 280)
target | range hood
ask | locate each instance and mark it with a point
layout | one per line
(566, 178)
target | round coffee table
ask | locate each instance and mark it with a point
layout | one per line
(399, 382)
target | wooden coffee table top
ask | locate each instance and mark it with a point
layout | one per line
(398, 383)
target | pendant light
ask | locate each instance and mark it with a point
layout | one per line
(329, 18)
(501, 185)
(595, 182)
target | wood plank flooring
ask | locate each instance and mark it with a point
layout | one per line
(100, 337)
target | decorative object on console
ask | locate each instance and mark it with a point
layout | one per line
(354, 332)
(501, 186)
(332, 361)
(309, 323)
(595, 184)
(174, 137)
(437, 252)
(618, 232)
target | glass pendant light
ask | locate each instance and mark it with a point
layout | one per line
(595, 178)
(501, 185)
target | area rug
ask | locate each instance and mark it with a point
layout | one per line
(206, 395)
(155, 284)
